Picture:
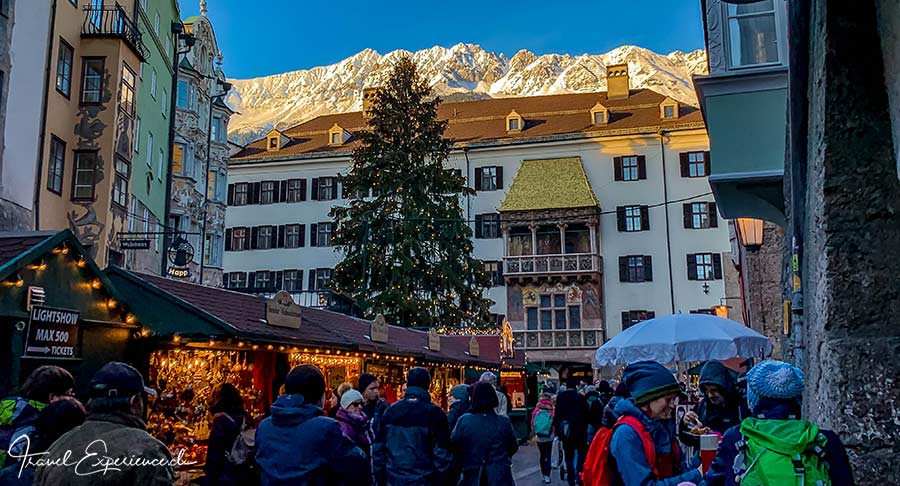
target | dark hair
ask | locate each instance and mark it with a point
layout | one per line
(419, 377)
(622, 390)
(484, 398)
(305, 380)
(58, 418)
(228, 399)
(604, 387)
(572, 381)
(45, 381)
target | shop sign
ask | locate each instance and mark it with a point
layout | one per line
(133, 244)
(282, 311)
(434, 340)
(474, 349)
(52, 333)
(379, 331)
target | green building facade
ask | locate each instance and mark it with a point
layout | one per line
(149, 170)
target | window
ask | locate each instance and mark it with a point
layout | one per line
(488, 178)
(168, 44)
(156, 23)
(184, 95)
(599, 117)
(630, 168)
(296, 190)
(700, 215)
(632, 317)
(215, 189)
(319, 277)
(57, 165)
(633, 218)
(513, 124)
(160, 164)
(237, 280)
(149, 149)
(495, 270)
(293, 280)
(335, 138)
(262, 279)
(636, 268)
(487, 225)
(267, 194)
(325, 188)
(264, 237)
(694, 164)
(553, 313)
(137, 136)
(752, 36)
(704, 266)
(669, 111)
(64, 68)
(165, 104)
(293, 236)
(239, 239)
(212, 250)
(321, 234)
(153, 83)
(120, 183)
(217, 134)
(240, 194)
(221, 186)
(83, 178)
(91, 80)
(126, 91)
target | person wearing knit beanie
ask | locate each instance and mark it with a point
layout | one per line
(351, 397)
(649, 380)
(773, 379)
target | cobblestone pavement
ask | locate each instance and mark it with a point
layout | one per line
(526, 468)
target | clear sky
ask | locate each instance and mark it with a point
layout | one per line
(261, 37)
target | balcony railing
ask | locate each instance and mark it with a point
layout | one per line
(563, 263)
(113, 21)
(558, 339)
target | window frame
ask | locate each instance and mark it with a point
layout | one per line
(120, 182)
(93, 170)
(494, 269)
(635, 271)
(298, 280)
(294, 194)
(241, 280)
(697, 165)
(697, 217)
(53, 175)
(245, 193)
(271, 192)
(325, 234)
(186, 92)
(708, 272)
(628, 169)
(85, 62)
(781, 37)
(124, 88)
(631, 218)
(489, 178)
(265, 242)
(240, 238)
(292, 231)
(637, 316)
(322, 277)
(554, 311)
(68, 48)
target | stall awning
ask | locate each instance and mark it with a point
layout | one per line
(550, 184)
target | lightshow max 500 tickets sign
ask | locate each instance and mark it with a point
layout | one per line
(52, 333)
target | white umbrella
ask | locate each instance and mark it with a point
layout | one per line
(683, 337)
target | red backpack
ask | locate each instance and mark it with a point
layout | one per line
(597, 469)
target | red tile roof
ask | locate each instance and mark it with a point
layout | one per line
(247, 313)
(14, 244)
(484, 121)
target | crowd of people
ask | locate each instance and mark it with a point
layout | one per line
(624, 436)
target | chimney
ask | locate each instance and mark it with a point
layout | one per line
(368, 101)
(617, 82)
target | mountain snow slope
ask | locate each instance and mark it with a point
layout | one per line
(461, 72)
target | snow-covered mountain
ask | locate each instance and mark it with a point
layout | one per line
(461, 72)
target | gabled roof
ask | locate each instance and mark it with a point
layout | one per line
(12, 245)
(484, 122)
(550, 184)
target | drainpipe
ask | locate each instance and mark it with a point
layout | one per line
(663, 134)
(176, 29)
(468, 197)
(798, 80)
(39, 168)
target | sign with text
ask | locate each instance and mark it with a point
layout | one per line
(379, 331)
(134, 244)
(52, 333)
(434, 340)
(282, 311)
(474, 348)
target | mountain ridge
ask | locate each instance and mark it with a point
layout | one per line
(460, 72)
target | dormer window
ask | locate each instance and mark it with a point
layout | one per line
(337, 135)
(275, 140)
(668, 109)
(514, 122)
(599, 115)
(273, 143)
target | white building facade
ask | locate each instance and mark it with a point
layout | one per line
(566, 274)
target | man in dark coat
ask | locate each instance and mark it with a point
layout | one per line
(722, 406)
(484, 442)
(570, 422)
(298, 444)
(413, 443)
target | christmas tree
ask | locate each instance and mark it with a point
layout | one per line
(408, 250)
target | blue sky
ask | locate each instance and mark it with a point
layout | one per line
(265, 37)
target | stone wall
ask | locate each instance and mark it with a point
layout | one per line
(761, 272)
(851, 269)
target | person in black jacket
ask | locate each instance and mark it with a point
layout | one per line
(459, 404)
(609, 412)
(570, 424)
(228, 412)
(722, 406)
(412, 447)
(484, 442)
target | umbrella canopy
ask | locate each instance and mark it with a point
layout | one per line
(683, 337)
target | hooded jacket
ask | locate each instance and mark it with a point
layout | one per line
(571, 407)
(627, 451)
(484, 440)
(17, 418)
(298, 445)
(721, 472)
(413, 443)
(721, 418)
(457, 410)
(354, 427)
(122, 436)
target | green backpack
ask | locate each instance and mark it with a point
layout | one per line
(781, 453)
(543, 423)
